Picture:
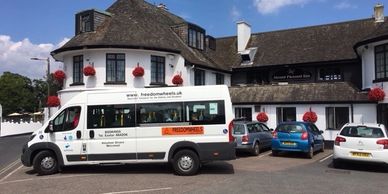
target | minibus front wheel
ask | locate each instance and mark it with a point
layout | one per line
(45, 163)
(186, 163)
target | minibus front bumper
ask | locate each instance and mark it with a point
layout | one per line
(26, 154)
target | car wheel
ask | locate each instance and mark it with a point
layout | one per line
(256, 149)
(45, 163)
(185, 163)
(310, 153)
(275, 152)
(323, 147)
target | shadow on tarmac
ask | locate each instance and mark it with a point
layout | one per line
(218, 167)
(360, 166)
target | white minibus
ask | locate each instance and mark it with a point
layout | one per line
(184, 126)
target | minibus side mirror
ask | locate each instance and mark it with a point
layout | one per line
(50, 127)
(320, 132)
(271, 129)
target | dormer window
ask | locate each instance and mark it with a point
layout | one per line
(196, 37)
(89, 20)
(86, 23)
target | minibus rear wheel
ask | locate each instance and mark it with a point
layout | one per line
(45, 163)
(185, 163)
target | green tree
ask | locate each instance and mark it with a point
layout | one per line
(16, 93)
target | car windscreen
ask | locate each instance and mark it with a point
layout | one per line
(362, 131)
(238, 129)
(290, 128)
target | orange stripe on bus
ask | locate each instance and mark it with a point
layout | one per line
(182, 130)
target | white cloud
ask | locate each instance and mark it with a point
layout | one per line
(235, 13)
(16, 57)
(273, 6)
(345, 5)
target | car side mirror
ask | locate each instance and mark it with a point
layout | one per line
(50, 127)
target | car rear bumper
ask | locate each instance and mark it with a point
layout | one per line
(243, 147)
(300, 146)
(376, 156)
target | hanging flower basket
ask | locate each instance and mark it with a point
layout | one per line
(59, 75)
(89, 70)
(262, 117)
(53, 101)
(376, 94)
(138, 71)
(177, 80)
(310, 116)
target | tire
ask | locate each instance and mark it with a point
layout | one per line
(310, 153)
(45, 163)
(275, 152)
(256, 149)
(185, 163)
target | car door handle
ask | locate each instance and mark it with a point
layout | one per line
(78, 134)
(91, 134)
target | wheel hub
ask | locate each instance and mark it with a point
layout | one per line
(47, 162)
(185, 163)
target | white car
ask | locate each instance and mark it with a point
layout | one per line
(361, 142)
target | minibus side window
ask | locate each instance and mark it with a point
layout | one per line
(111, 116)
(67, 120)
(160, 113)
(205, 112)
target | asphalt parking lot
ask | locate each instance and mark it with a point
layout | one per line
(287, 173)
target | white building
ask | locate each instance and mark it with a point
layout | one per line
(327, 68)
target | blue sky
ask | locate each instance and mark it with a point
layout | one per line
(30, 28)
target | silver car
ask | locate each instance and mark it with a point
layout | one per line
(251, 136)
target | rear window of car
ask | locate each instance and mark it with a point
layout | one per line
(290, 128)
(362, 131)
(238, 129)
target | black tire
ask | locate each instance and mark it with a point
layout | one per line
(275, 152)
(256, 149)
(185, 163)
(310, 153)
(45, 163)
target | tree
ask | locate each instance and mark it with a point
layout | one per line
(16, 93)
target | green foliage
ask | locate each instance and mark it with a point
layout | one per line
(19, 94)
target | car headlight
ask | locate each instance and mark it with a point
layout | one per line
(32, 136)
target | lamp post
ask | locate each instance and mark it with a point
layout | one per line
(47, 79)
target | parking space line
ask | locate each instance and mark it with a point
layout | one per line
(140, 191)
(50, 177)
(324, 159)
(266, 154)
(8, 175)
(8, 167)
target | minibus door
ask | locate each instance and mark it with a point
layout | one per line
(65, 130)
(111, 134)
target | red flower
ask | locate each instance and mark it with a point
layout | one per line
(59, 75)
(262, 117)
(138, 71)
(376, 94)
(177, 80)
(89, 70)
(53, 101)
(310, 117)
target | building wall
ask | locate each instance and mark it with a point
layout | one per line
(174, 64)
(361, 113)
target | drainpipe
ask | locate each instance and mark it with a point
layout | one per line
(351, 113)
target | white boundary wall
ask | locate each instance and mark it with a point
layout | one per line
(16, 128)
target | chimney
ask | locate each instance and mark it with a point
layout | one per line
(162, 6)
(379, 13)
(243, 35)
